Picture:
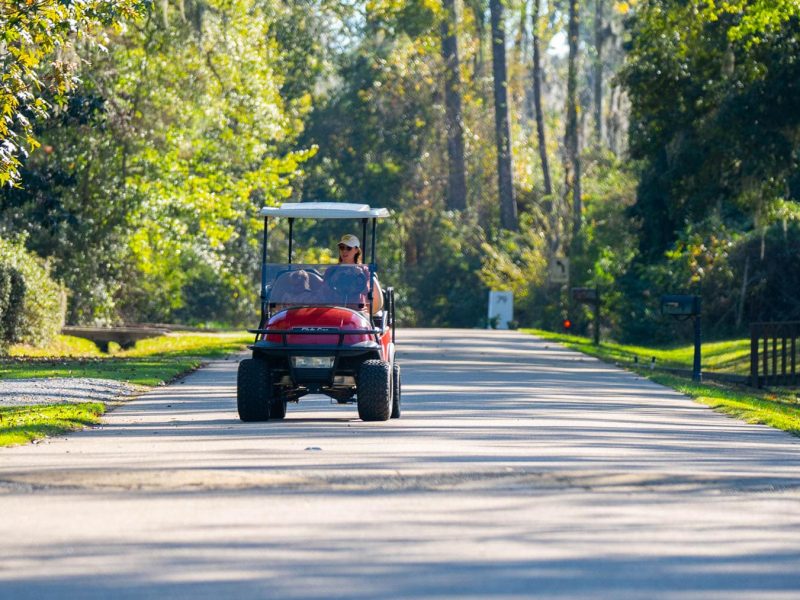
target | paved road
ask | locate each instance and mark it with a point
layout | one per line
(518, 470)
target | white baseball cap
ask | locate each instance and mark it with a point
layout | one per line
(350, 240)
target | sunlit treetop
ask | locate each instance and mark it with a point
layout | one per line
(36, 52)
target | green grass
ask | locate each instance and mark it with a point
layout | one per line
(62, 346)
(731, 356)
(19, 425)
(151, 362)
(777, 408)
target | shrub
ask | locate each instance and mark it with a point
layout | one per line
(5, 304)
(12, 293)
(34, 304)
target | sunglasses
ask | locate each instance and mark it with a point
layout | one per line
(344, 247)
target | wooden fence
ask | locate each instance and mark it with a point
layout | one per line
(773, 354)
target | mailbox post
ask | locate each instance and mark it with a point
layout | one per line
(686, 307)
(590, 296)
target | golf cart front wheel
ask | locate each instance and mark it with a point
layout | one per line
(253, 390)
(374, 391)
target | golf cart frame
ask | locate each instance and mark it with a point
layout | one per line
(321, 342)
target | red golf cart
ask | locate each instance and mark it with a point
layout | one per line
(322, 329)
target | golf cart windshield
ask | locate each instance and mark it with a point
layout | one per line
(318, 285)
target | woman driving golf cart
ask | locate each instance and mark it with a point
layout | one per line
(318, 331)
(339, 279)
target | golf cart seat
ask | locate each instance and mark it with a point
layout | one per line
(295, 287)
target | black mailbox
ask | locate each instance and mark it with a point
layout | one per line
(680, 305)
(582, 294)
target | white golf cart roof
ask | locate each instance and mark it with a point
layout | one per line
(323, 210)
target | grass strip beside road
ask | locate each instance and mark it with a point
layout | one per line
(22, 424)
(152, 362)
(731, 356)
(777, 408)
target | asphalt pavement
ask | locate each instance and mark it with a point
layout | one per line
(519, 469)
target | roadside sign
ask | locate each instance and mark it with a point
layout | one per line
(585, 295)
(501, 309)
(558, 269)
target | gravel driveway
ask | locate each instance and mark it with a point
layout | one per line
(55, 390)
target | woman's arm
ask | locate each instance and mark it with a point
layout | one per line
(377, 295)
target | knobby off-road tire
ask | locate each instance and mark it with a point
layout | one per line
(374, 391)
(253, 390)
(397, 399)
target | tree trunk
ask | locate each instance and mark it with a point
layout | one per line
(613, 125)
(521, 39)
(456, 181)
(572, 171)
(599, 40)
(508, 207)
(743, 293)
(480, 24)
(537, 99)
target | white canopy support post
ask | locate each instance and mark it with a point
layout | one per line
(264, 272)
(291, 237)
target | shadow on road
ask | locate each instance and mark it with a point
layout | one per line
(519, 469)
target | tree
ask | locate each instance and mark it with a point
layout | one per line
(601, 33)
(457, 186)
(537, 97)
(36, 50)
(478, 10)
(715, 117)
(149, 178)
(508, 206)
(572, 170)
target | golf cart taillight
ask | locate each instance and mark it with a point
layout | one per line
(312, 362)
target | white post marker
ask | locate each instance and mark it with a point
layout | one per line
(501, 308)
(558, 269)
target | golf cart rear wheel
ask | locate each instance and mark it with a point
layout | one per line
(253, 390)
(396, 396)
(374, 391)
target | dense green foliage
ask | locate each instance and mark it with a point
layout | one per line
(12, 293)
(37, 41)
(177, 121)
(148, 179)
(32, 304)
(715, 119)
(716, 123)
